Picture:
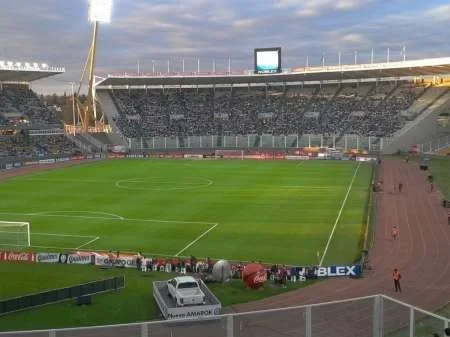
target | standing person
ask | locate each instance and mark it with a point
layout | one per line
(397, 276)
(394, 232)
(407, 159)
(431, 187)
(400, 187)
(139, 259)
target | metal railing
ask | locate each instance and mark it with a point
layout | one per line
(435, 145)
(370, 316)
(347, 142)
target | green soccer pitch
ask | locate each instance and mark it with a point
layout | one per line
(274, 212)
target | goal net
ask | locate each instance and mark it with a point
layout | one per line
(229, 154)
(14, 234)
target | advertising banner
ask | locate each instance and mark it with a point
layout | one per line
(76, 258)
(297, 157)
(18, 256)
(125, 261)
(47, 257)
(365, 159)
(333, 271)
(47, 161)
(193, 156)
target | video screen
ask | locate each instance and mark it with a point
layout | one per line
(267, 60)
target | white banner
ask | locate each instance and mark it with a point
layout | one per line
(297, 157)
(365, 159)
(127, 261)
(193, 156)
(47, 257)
(47, 161)
(79, 258)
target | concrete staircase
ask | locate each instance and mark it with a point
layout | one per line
(111, 112)
(418, 131)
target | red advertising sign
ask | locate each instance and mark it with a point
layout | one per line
(18, 257)
(254, 275)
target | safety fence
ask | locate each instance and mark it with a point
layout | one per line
(345, 142)
(62, 294)
(370, 316)
(436, 145)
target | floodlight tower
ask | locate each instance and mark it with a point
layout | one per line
(100, 11)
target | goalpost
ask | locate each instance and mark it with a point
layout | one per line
(229, 154)
(15, 234)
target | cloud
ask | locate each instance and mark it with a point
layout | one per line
(57, 32)
(306, 8)
(244, 23)
(439, 13)
(356, 39)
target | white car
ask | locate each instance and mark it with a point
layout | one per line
(185, 290)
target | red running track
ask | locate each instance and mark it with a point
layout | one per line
(421, 253)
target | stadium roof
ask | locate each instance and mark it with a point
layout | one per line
(26, 72)
(400, 70)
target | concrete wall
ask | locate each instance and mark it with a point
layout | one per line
(110, 110)
(424, 127)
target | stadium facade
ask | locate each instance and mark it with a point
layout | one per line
(243, 110)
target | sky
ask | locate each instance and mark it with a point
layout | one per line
(150, 32)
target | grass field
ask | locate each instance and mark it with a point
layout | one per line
(281, 212)
(132, 304)
(440, 168)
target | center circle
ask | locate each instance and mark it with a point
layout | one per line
(162, 184)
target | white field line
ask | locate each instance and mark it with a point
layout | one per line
(57, 235)
(46, 214)
(197, 239)
(112, 215)
(312, 187)
(89, 242)
(88, 250)
(339, 213)
(65, 235)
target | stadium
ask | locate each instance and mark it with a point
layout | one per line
(290, 194)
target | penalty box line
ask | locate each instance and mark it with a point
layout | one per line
(91, 237)
(117, 218)
(198, 238)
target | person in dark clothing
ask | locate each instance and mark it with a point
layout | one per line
(397, 276)
(400, 187)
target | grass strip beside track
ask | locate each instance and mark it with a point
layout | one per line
(132, 304)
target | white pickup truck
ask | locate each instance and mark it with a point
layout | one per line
(185, 290)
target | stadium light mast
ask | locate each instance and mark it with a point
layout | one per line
(100, 11)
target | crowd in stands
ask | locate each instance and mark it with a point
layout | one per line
(20, 111)
(20, 105)
(365, 110)
(25, 146)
